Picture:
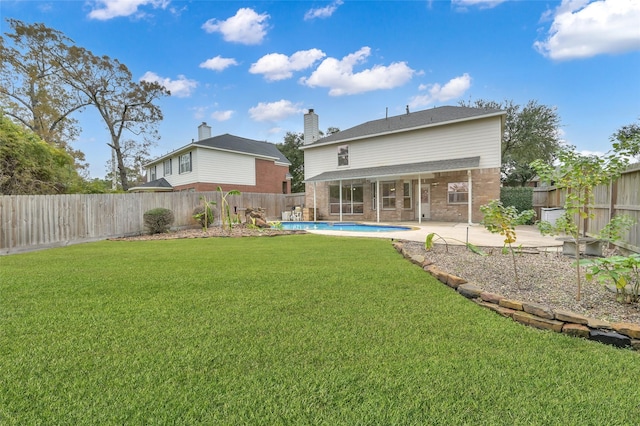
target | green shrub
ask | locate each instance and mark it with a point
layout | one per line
(519, 197)
(205, 220)
(158, 220)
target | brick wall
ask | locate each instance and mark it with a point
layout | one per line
(486, 186)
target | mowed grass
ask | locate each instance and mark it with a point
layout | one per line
(300, 329)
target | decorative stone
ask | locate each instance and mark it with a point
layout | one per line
(568, 316)
(629, 329)
(398, 246)
(417, 259)
(538, 310)
(505, 312)
(491, 297)
(576, 330)
(469, 291)
(511, 304)
(596, 323)
(535, 321)
(610, 338)
(635, 344)
(455, 282)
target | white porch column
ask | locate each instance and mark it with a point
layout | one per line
(314, 202)
(470, 200)
(419, 199)
(378, 200)
(340, 200)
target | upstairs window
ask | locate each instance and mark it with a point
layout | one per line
(185, 163)
(152, 174)
(167, 167)
(458, 192)
(343, 155)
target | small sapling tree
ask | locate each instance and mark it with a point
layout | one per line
(203, 213)
(502, 220)
(579, 174)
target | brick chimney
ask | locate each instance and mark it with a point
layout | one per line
(204, 131)
(311, 128)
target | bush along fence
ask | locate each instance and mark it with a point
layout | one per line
(625, 335)
(32, 222)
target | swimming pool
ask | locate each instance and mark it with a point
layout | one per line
(342, 226)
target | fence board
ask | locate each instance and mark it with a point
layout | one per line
(622, 197)
(30, 222)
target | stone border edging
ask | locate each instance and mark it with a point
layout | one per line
(620, 334)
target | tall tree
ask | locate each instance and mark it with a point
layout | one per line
(32, 91)
(531, 133)
(290, 148)
(124, 105)
(28, 165)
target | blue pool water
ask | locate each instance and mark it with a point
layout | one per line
(342, 226)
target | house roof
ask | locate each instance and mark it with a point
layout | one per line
(157, 185)
(233, 143)
(399, 170)
(405, 122)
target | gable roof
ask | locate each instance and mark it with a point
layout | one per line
(233, 143)
(236, 144)
(405, 122)
(158, 185)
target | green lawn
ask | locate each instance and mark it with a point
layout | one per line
(300, 329)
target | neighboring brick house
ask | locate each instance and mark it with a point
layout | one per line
(225, 161)
(439, 164)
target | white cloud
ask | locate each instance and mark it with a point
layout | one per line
(181, 88)
(274, 111)
(339, 77)
(322, 12)
(276, 66)
(483, 4)
(218, 63)
(222, 115)
(455, 88)
(245, 27)
(583, 28)
(108, 9)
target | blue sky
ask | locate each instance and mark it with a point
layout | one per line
(252, 68)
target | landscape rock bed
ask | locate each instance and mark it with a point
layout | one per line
(545, 297)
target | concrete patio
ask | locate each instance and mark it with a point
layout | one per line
(476, 234)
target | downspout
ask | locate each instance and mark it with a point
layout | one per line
(470, 200)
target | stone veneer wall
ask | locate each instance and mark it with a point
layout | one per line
(532, 314)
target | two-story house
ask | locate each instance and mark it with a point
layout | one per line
(225, 161)
(438, 164)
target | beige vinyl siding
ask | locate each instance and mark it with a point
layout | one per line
(468, 139)
(225, 167)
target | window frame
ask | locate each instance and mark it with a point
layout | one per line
(153, 173)
(170, 168)
(455, 194)
(343, 155)
(352, 203)
(388, 194)
(407, 195)
(185, 166)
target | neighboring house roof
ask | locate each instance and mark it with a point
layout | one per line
(155, 185)
(411, 121)
(399, 169)
(237, 144)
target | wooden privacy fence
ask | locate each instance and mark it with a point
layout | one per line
(30, 222)
(621, 197)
